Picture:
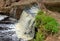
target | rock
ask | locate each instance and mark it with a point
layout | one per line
(15, 12)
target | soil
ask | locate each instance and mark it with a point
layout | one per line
(52, 38)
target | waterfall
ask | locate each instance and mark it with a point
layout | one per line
(25, 26)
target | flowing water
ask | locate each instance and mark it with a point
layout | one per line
(25, 26)
(23, 29)
(7, 30)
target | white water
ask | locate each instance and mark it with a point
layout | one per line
(25, 26)
(2, 17)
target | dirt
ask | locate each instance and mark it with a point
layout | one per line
(52, 38)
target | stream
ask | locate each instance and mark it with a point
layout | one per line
(25, 26)
(23, 30)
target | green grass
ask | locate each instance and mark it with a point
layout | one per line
(39, 37)
(49, 23)
(45, 24)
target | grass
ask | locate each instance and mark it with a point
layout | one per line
(39, 37)
(45, 24)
